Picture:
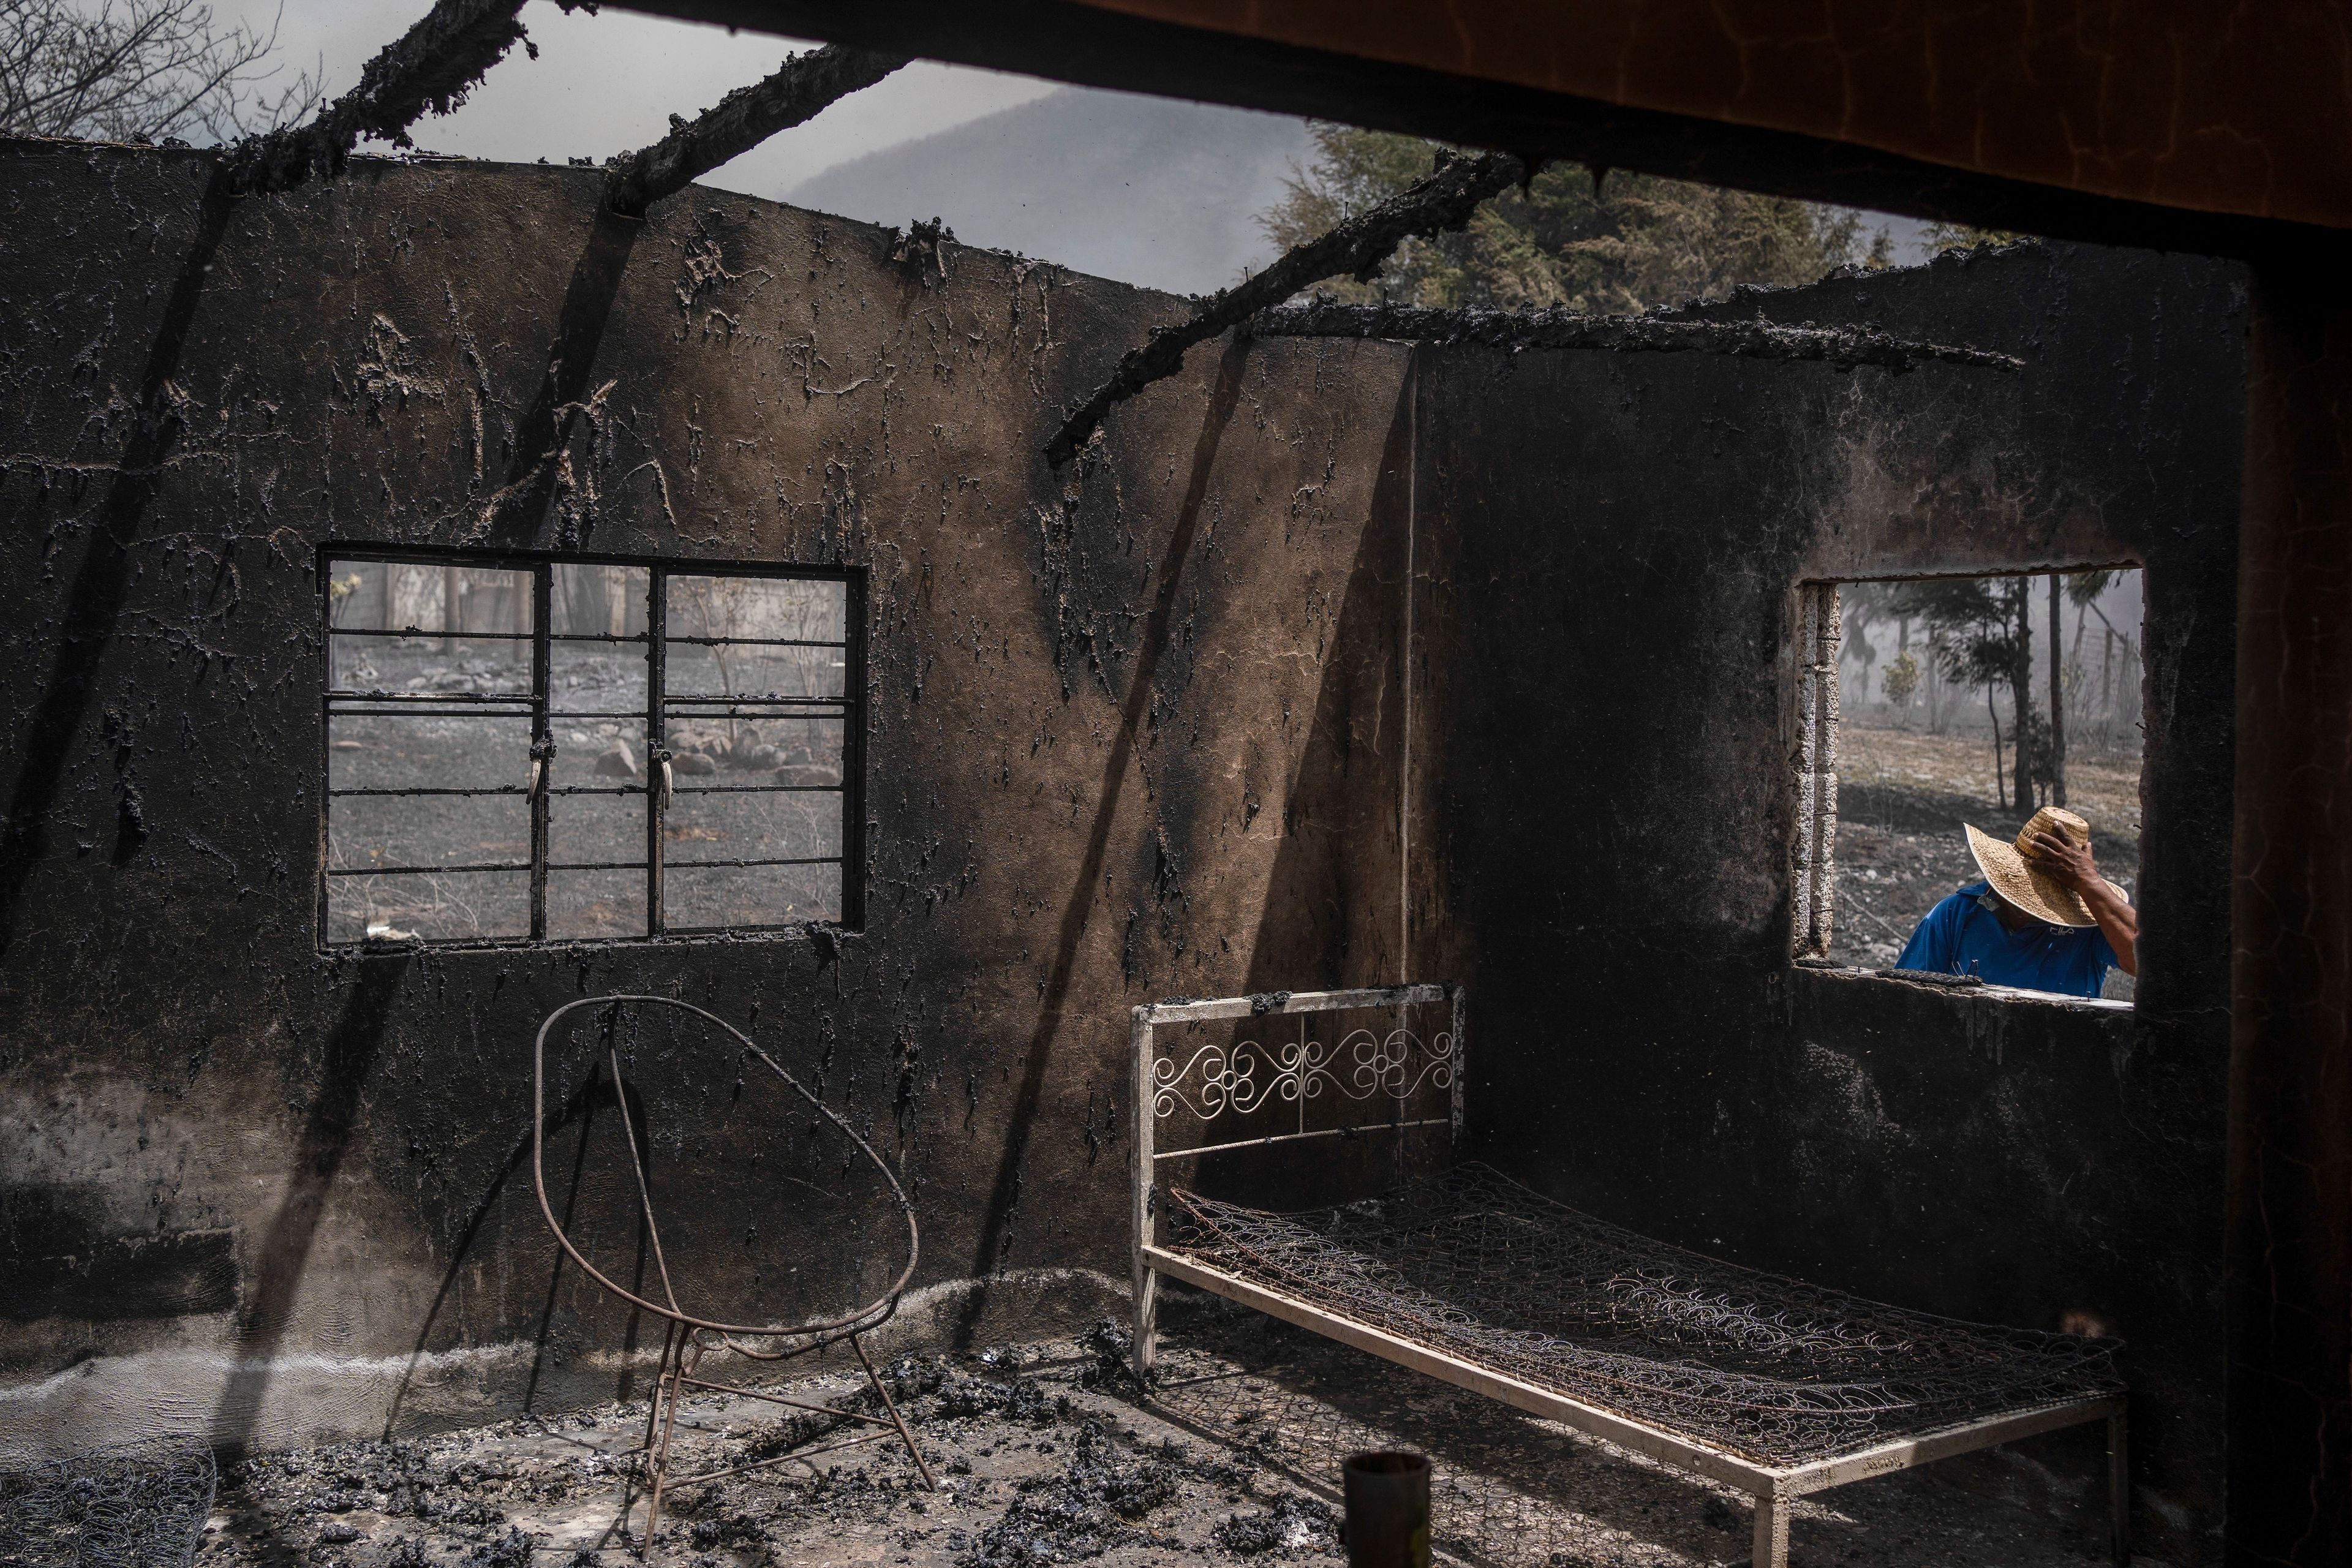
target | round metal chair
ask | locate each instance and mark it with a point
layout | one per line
(686, 1338)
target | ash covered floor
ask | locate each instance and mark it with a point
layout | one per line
(1046, 1456)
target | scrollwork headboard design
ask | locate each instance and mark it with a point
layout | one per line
(1390, 1071)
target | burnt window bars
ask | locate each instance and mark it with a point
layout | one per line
(520, 749)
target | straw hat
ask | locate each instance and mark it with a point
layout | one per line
(2013, 869)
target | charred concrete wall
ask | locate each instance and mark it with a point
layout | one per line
(1147, 729)
(1134, 732)
(1612, 547)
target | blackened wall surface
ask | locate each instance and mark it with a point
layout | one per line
(1143, 730)
(1611, 546)
(1095, 699)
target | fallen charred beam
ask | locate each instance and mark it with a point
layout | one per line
(432, 66)
(1555, 328)
(740, 121)
(1357, 247)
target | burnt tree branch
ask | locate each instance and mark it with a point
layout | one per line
(1356, 248)
(740, 121)
(432, 66)
(1844, 347)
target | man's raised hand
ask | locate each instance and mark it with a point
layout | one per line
(2071, 863)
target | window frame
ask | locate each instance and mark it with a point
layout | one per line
(1816, 711)
(657, 716)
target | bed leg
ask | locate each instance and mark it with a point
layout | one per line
(1772, 1550)
(1147, 1092)
(1146, 1322)
(2118, 1489)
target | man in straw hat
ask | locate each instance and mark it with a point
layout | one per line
(2042, 919)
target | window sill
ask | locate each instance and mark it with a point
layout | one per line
(1843, 975)
(814, 931)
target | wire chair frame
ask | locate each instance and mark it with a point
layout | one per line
(686, 1338)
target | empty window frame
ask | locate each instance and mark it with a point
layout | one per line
(520, 749)
(1908, 725)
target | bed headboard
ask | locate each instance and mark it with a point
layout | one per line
(1377, 1079)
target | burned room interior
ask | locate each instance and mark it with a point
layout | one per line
(605, 767)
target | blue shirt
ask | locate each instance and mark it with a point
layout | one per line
(1961, 936)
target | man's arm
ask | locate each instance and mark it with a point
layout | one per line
(2119, 921)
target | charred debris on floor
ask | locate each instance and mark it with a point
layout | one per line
(1090, 1482)
(1051, 1455)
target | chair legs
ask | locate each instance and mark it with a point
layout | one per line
(661, 1370)
(681, 1360)
(669, 1385)
(931, 1482)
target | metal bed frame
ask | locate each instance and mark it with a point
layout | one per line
(1380, 1071)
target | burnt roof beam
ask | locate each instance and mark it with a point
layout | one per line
(804, 85)
(1442, 200)
(1844, 347)
(433, 66)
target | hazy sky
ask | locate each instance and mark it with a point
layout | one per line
(607, 83)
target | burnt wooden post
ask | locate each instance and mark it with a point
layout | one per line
(2057, 701)
(2289, 1241)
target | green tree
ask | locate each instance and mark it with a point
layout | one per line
(1619, 244)
(1942, 236)
(1984, 639)
(1860, 606)
(1899, 680)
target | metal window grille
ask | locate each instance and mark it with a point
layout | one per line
(474, 715)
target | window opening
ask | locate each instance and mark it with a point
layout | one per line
(523, 750)
(1925, 704)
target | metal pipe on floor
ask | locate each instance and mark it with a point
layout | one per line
(1388, 1510)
